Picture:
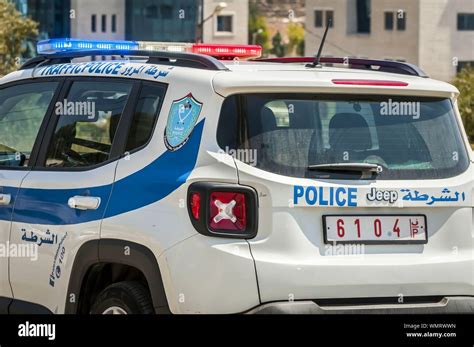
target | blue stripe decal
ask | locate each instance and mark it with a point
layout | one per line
(146, 186)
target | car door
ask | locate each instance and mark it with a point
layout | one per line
(61, 203)
(24, 107)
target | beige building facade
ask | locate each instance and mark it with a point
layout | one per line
(434, 34)
(107, 20)
(229, 25)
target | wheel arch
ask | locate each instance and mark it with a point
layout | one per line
(115, 251)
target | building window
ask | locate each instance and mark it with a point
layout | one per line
(465, 21)
(104, 23)
(388, 20)
(464, 64)
(401, 20)
(93, 23)
(151, 11)
(330, 18)
(225, 23)
(166, 11)
(114, 23)
(363, 16)
(318, 18)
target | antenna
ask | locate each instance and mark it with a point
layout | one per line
(316, 63)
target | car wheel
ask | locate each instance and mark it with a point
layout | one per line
(123, 298)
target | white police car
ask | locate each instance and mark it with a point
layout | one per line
(177, 182)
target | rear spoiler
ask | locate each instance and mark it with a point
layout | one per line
(356, 63)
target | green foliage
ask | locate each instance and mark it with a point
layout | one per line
(464, 81)
(258, 29)
(14, 29)
(278, 47)
(295, 39)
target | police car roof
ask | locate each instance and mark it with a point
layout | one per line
(261, 76)
(278, 77)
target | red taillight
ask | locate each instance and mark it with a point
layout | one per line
(228, 51)
(223, 210)
(195, 205)
(370, 82)
(227, 211)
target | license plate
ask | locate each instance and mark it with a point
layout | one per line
(375, 229)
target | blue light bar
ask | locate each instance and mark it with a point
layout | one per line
(53, 46)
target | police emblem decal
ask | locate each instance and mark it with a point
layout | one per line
(182, 118)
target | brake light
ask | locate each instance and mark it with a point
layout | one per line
(195, 205)
(223, 210)
(358, 82)
(227, 211)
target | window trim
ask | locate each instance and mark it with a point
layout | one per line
(48, 135)
(398, 21)
(322, 17)
(93, 23)
(46, 119)
(224, 33)
(393, 15)
(124, 125)
(113, 23)
(458, 21)
(332, 19)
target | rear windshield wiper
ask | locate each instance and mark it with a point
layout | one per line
(357, 167)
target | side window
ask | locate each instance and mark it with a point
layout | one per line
(87, 121)
(146, 113)
(22, 110)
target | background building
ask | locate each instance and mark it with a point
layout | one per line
(148, 20)
(52, 16)
(101, 20)
(437, 35)
(228, 26)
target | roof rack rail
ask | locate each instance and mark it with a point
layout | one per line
(197, 61)
(357, 63)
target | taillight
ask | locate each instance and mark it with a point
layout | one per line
(227, 211)
(358, 82)
(218, 209)
(195, 205)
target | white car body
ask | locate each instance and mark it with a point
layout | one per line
(287, 260)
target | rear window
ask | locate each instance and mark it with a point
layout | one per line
(411, 138)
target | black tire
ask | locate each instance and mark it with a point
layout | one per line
(129, 296)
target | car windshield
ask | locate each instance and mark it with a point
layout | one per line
(297, 135)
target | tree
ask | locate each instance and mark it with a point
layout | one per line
(14, 29)
(278, 47)
(295, 38)
(258, 29)
(464, 81)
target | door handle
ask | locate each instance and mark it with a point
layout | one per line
(5, 199)
(84, 202)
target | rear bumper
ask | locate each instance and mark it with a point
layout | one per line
(447, 305)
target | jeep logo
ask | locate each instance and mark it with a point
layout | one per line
(382, 195)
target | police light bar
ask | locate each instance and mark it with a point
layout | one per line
(52, 46)
(218, 51)
(228, 51)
